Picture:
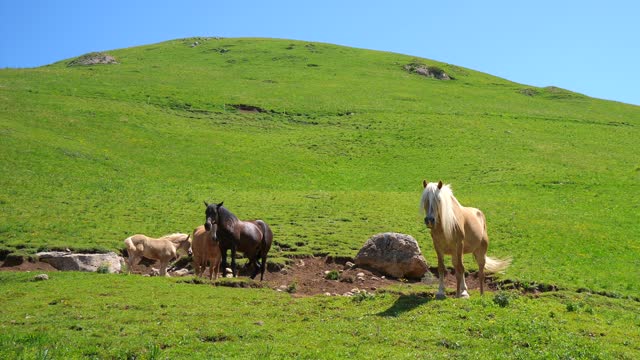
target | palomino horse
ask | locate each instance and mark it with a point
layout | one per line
(163, 249)
(252, 238)
(206, 249)
(457, 230)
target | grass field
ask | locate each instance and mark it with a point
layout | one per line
(79, 315)
(90, 155)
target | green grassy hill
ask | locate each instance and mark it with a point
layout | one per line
(334, 152)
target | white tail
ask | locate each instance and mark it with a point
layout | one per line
(495, 266)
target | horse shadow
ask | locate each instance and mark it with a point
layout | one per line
(405, 303)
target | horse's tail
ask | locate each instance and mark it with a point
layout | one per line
(496, 266)
(264, 228)
(265, 245)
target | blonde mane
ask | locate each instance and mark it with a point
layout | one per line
(174, 238)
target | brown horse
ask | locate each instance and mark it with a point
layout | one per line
(252, 238)
(206, 249)
(457, 230)
(163, 249)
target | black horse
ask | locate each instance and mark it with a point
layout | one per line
(252, 238)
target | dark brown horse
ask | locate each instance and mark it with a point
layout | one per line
(252, 238)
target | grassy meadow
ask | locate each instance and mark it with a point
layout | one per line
(130, 317)
(344, 137)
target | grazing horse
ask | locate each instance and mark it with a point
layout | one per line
(457, 230)
(206, 249)
(252, 238)
(163, 249)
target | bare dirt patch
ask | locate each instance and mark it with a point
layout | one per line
(26, 266)
(304, 277)
(308, 276)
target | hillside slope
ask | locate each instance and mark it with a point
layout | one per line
(329, 146)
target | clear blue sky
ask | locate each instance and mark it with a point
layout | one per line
(591, 47)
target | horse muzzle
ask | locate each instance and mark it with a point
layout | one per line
(430, 221)
(208, 225)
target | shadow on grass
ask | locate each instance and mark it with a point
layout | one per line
(405, 303)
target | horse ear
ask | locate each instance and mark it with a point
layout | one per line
(439, 184)
(220, 204)
(205, 204)
(424, 183)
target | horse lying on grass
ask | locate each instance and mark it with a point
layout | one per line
(457, 230)
(163, 249)
(206, 249)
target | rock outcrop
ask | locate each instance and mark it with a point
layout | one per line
(394, 254)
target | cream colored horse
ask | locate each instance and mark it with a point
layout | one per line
(457, 230)
(163, 249)
(206, 248)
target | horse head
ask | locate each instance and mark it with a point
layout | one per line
(214, 234)
(212, 215)
(430, 200)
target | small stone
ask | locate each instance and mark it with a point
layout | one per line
(259, 323)
(375, 278)
(360, 274)
(181, 272)
(327, 294)
(349, 264)
(284, 272)
(326, 272)
(41, 277)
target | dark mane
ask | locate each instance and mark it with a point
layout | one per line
(227, 218)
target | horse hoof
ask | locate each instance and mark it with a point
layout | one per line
(440, 296)
(464, 295)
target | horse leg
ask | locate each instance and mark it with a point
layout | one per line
(216, 265)
(480, 255)
(224, 262)
(263, 266)
(255, 265)
(163, 267)
(459, 266)
(211, 269)
(233, 261)
(441, 272)
(196, 266)
(130, 263)
(133, 260)
(481, 262)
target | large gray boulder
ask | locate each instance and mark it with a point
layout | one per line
(111, 261)
(394, 254)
